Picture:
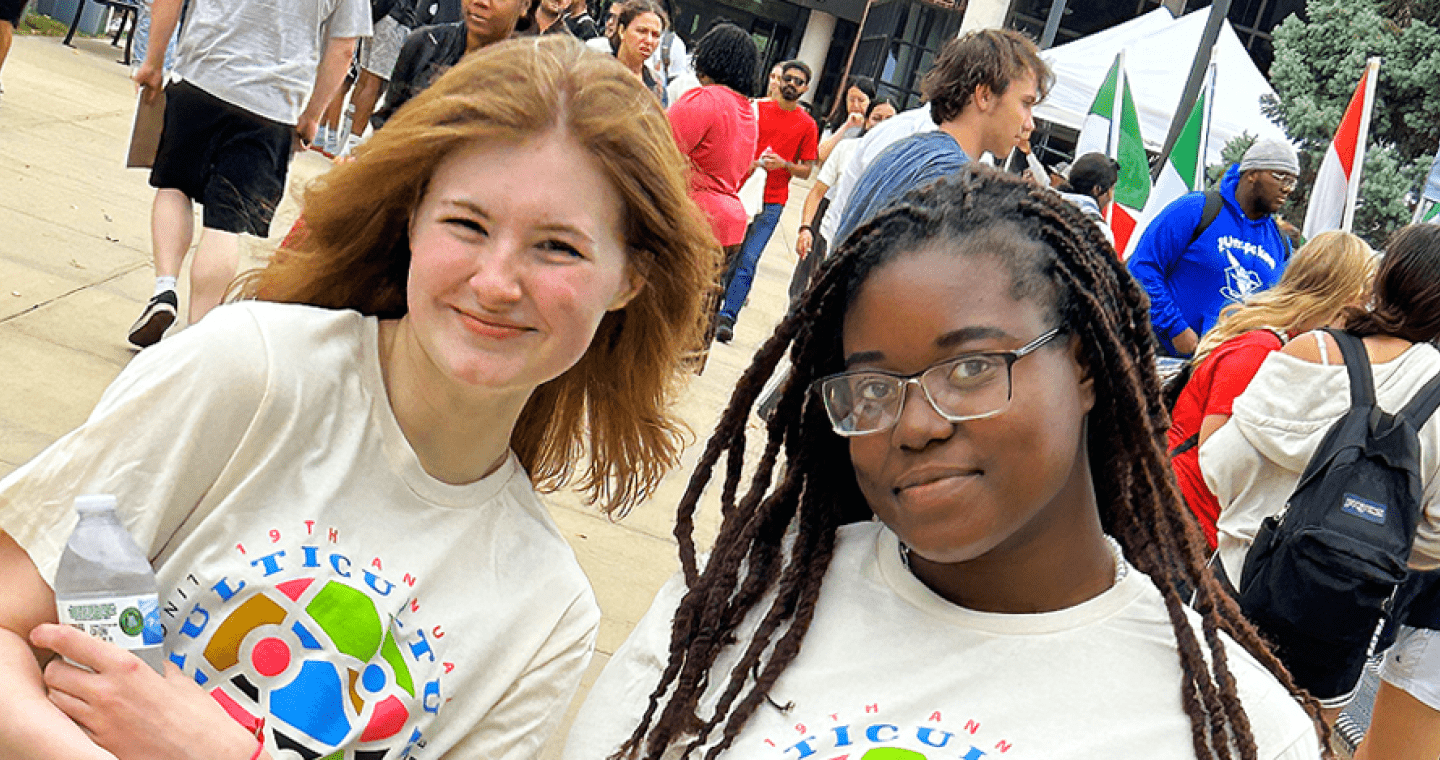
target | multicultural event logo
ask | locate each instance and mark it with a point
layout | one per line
(315, 655)
(866, 735)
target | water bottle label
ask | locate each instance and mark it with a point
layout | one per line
(130, 622)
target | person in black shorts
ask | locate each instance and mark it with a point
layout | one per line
(250, 86)
(11, 11)
(239, 177)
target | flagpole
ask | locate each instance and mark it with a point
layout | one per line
(1112, 145)
(1352, 192)
(1219, 9)
(1205, 127)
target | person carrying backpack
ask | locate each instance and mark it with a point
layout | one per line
(1327, 275)
(1193, 268)
(1338, 533)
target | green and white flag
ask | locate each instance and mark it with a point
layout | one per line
(1132, 187)
(1095, 132)
(1184, 170)
(1113, 128)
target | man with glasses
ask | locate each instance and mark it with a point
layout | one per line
(1207, 250)
(786, 148)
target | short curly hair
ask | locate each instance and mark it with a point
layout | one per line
(992, 57)
(727, 55)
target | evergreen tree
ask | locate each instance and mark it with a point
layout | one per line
(1317, 65)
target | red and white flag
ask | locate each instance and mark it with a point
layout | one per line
(1332, 198)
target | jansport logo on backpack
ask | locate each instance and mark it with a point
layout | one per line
(1320, 575)
(1363, 509)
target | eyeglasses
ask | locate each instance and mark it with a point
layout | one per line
(972, 386)
(797, 81)
(1287, 181)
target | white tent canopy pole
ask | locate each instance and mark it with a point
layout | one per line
(1159, 51)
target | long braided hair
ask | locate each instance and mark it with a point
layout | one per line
(775, 544)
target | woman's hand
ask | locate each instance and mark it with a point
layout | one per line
(132, 711)
(804, 241)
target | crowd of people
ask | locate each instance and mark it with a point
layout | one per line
(534, 228)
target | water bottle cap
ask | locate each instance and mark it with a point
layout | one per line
(92, 503)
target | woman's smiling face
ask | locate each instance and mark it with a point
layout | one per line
(507, 286)
(956, 491)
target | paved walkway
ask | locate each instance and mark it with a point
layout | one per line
(75, 271)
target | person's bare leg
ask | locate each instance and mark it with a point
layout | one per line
(172, 225)
(217, 259)
(1401, 728)
(172, 222)
(367, 93)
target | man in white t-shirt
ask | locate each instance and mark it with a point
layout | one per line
(252, 78)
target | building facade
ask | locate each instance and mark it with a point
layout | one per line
(894, 42)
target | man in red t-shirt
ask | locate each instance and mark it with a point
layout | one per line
(786, 148)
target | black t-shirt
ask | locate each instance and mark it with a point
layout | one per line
(439, 11)
(427, 53)
(582, 26)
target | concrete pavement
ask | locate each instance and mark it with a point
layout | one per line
(75, 271)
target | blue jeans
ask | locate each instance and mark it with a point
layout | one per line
(738, 286)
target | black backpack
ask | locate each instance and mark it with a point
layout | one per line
(1321, 575)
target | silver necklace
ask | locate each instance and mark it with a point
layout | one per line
(1122, 568)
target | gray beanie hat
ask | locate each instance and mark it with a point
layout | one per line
(1275, 155)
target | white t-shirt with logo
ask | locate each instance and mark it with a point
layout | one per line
(309, 569)
(891, 671)
(262, 55)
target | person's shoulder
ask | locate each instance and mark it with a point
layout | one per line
(1252, 340)
(269, 313)
(1175, 224)
(709, 96)
(842, 151)
(934, 147)
(436, 32)
(1187, 205)
(227, 350)
(1307, 347)
(301, 338)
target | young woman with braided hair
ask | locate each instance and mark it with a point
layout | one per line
(927, 572)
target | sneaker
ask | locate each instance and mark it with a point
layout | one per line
(159, 314)
(725, 332)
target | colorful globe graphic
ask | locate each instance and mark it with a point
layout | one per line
(318, 659)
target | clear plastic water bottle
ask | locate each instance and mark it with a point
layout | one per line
(105, 586)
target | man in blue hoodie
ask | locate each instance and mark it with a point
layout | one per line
(1191, 277)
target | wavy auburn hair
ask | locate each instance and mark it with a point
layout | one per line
(1327, 275)
(356, 250)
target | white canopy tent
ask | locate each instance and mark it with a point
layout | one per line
(1159, 52)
